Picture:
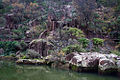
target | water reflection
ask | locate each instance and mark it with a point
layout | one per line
(10, 71)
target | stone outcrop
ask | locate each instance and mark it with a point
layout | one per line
(101, 62)
(41, 46)
(81, 62)
(30, 61)
(107, 65)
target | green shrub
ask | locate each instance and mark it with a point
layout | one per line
(25, 57)
(96, 49)
(20, 32)
(98, 41)
(73, 48)
(2, 21)
(75, 32)
(74, 68)
(107, 3)
(96, 15)
(12, 54)
(11, 47)
(84, 42)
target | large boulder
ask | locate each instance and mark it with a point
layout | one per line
(82, 59)
(118, 65)
(107, 65)
(41, 46)
(93, 60)
(30, 61)
(69, 56)
(31, 54)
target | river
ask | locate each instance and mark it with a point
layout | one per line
(11, 71)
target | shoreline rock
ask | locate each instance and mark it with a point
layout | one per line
(80, 62)
(30, 61)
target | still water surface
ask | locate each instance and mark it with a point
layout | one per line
(11, 71)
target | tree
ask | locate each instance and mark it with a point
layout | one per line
(85, 9)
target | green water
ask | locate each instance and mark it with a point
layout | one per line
(10, 71)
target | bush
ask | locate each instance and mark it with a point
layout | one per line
(11, 47)
(75, 32)
(73, 48)
(20, 32)
(96, 15)
(107, 3)
(98, 41)
(84, 42)
(2, 21)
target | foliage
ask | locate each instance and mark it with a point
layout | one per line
(97, 41)
(4, 8)
(12, 54)
(11, 47)
(74, 68)
(115, 33)
(115, 52)
(117, 10)
(50, 51)
(96, 15)
(85, 10)
(75, 32)
(108, 3)
(96, 49)
(2, 21)
(37, 30)
(73, 48)
(118, 21)
(25, 57)
(20, 32)
(84, 42)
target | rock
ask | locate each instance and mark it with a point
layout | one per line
(118, 65)
(11, 20)
(111, 56)
(93, 61)
(76, 60)
(83, 59)
(52, 59)
(31, 54)
(8, 58)
(107, 65)
(65, 66)
(69, 57)
(1, 51)
(90, 63)
(41, 46)
(30, 61)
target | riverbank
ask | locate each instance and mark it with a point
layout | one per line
(79, 62)
(10, 71)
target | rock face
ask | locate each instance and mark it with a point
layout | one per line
(1, 51)
(41, 46)
(29, 61)
(101, 62)
(11, 21)
(81, 62)
(107, 65)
